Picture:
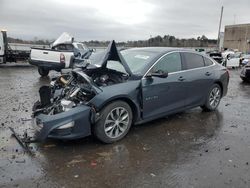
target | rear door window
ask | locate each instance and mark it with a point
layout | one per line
(208, 62)
(193, 60)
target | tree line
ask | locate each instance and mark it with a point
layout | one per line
(166, 40)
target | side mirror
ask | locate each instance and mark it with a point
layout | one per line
(160, 74)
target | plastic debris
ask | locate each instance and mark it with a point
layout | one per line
(152, 174)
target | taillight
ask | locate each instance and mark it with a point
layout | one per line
(62, 58)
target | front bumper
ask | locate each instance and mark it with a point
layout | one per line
(245, 73)
(46, 126)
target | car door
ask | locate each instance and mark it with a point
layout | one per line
(164, 95)
(233, 61)
(199, 76)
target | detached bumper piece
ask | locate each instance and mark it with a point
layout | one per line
(68, 125)
(24, 142)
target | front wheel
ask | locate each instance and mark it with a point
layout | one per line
(213, 98)
(42, 71)
(114, 123)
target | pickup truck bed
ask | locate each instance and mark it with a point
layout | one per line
(47, 56)
(50, 59)
(60, 56)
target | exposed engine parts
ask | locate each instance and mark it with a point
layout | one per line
(77, 87)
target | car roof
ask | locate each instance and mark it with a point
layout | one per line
(160, 50)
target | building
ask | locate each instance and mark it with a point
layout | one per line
(237, 37)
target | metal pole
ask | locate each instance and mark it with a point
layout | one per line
(218, 40)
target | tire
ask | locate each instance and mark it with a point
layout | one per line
(213, 98)
(110, 128)
(244, 79)
(43, 72)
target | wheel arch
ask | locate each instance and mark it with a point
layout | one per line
(130, 102)
(221, 87)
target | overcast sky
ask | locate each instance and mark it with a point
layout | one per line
(121, 20)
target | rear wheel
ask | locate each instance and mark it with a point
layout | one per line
(114, 123)
(42, 71)
(213, 98)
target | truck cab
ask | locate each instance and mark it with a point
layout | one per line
(59, 56)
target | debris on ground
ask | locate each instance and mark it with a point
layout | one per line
(152, 174)
(104, 154)
(234, 126)
(75, 161)
(146, 148)
(49, 146)
(20, 161)
(227, 148)
(93, 163)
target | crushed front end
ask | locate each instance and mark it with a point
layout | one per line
(71, 124)
(63, 111)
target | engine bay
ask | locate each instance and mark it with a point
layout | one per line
(105, 77)
(77, 87)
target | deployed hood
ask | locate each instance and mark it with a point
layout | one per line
(65, 38)
(112, 53)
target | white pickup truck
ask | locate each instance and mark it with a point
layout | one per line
(59, 56)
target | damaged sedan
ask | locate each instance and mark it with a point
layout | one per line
(113, 90)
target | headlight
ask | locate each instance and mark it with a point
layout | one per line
(67, 125)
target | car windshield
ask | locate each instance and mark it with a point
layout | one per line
(135, 59)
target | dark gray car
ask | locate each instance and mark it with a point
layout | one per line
(114, 90)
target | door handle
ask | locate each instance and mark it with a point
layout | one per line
(45, 52)
(181, 79)
(208, 73)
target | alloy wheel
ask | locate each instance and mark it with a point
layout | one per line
(214, 97)
(116, 122)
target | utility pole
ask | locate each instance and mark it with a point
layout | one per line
(234, 19)
(218, 40)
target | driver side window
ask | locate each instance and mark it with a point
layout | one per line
(169, 63)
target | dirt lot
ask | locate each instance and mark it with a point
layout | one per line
(190, 149)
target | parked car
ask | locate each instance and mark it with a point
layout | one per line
(60, 55)
(245, 59)
(245, 73)
(234, 60)
(216, 56)
(226, 54)
(114, 90)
